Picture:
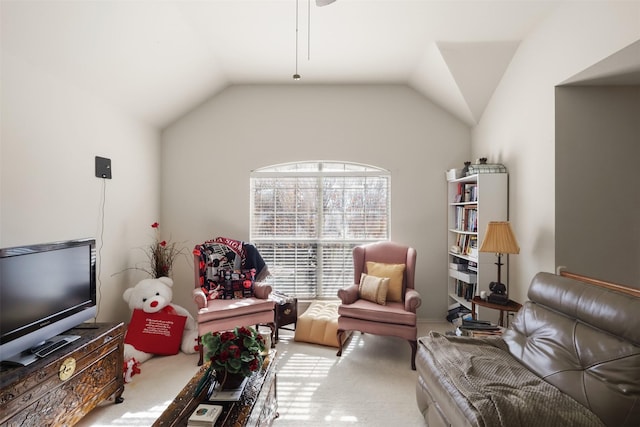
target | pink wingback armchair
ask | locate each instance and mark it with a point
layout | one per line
(396, 319)
(224, 314)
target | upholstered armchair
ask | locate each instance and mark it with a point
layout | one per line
(367, 309)
(223, 314)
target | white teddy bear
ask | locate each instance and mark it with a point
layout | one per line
(152, 296)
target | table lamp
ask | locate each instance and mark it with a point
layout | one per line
(499, 239)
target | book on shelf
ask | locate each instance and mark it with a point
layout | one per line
(472, 244)
(470, 291)
(466, 218)
(465, 290)
(468, 244)
(458, 266)
(459, 193)
(470, 218)
(470, 192)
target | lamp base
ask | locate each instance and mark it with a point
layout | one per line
(498, 299)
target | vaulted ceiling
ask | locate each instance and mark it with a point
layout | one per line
(157, 60)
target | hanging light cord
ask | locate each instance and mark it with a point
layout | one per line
(296, 76)
(308, 30)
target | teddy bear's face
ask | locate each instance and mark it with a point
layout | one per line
(150, 295)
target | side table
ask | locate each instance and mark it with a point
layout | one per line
(286, 314)
(511, 306)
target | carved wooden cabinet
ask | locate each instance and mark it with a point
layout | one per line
(58, 390)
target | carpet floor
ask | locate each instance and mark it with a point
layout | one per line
(372, 384)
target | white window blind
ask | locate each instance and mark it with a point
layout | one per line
(307, 217)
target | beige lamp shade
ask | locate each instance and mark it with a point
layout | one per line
(500, 239)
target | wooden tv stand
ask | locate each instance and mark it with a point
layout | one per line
(62, 387)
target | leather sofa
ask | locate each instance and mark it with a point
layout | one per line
(571, 357)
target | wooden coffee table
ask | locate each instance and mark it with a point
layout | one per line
(257, 405)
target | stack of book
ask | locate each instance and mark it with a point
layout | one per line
(457, 311)
(479, 328)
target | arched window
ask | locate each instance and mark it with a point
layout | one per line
(306, 218)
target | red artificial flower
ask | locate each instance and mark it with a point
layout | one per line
(227, 336)
(155, 225)
(163, 243)
(235, 351)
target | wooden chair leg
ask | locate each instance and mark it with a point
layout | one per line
(200, 350)
(340, 335)
(414, 349)
(272, 326)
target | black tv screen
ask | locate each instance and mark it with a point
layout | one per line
(45, 290)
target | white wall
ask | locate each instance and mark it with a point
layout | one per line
(208, 154)
(51, 133)
(517, 127)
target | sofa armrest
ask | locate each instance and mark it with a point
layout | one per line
(412, 300)
(199, 298)
(261, 290)
(348, 295)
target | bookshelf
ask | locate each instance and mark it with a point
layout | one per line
(473, 201)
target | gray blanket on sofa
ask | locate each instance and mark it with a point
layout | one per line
(500, 389)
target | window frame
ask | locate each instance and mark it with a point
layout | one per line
(321, 171)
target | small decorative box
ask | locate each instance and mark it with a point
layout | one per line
(454, 174)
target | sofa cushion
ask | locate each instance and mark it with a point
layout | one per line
(374, 288)
(220, 308)
(395, 273)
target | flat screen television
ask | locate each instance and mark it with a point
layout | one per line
(45, 290)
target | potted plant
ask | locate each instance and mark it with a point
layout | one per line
(161, 255)
(234, 355)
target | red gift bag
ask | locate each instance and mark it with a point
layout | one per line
(155, 333)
